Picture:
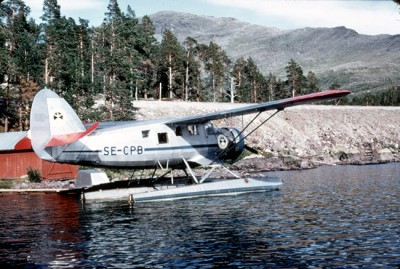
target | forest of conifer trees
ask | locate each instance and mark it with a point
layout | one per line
(101, 70)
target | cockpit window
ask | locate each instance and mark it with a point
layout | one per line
(193, 130)
(210, 128)
(178, 131)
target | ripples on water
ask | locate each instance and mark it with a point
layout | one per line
(335, 217)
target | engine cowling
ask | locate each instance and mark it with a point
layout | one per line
(231, 143)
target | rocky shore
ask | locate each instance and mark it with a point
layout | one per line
(23, 184)
(303, 136)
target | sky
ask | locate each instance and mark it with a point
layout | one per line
(365, 16)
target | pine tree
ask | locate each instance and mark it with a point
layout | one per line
(252, 86)
(192, 69)
(83, 85)
(64, 64)
(6, 63)
(147, 45)
(109, 55)
(4, 33)
(282, 91)
(272, 86)
(25, 57)
(238, 73)
(69, 68)
(130, 58)
(217, 65)
(295, 77)
(52, 27)
(312, 82)
(171, 64)
(18, 61)
(118, 60)
(255, 81)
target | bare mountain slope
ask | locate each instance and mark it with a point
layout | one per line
(357, 62)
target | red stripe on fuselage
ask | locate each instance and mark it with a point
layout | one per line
(64, 139)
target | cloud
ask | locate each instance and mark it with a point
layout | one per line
(370, 17)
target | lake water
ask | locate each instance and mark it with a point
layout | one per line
(330, 217)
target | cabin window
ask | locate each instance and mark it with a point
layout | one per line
(162, 138)
(210, 129)
(145, 133)
(178, 131)
(193, 130)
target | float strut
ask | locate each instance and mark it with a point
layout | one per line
(131, 200)
(190, 171)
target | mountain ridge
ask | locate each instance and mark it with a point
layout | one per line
(337, 55)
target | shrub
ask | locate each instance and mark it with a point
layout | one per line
(5, 185)
(34, 175)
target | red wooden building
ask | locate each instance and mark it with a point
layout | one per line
(16, 156)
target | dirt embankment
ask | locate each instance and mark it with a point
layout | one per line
(303, 136)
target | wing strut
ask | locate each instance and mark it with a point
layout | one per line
(247, 126)
(244, 137)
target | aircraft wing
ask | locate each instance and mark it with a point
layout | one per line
(278, 104)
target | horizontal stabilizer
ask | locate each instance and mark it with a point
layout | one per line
(64, 139)
(24, 144)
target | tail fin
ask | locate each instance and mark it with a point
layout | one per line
(54, 123)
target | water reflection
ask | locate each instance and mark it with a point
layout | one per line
(38, 229)
(328, 217)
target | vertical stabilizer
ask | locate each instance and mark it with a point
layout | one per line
(52, 118)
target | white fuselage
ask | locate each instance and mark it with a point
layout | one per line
(143, 146)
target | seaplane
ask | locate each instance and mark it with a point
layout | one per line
(58, 135)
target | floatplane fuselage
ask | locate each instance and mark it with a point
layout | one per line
(151, 145)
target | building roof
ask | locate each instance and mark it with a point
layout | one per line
(9, 140)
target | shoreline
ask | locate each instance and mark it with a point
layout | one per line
(28, 191)
(249, 171)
